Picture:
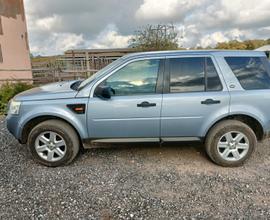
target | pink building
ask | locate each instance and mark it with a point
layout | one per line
(14, 49)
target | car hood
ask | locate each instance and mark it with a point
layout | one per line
(59, 90)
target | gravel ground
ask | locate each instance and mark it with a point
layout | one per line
(133, 182)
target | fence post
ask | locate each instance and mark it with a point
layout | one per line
(87, 64)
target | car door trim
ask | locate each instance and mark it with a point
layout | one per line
(125, 119)
(175, 139)
(125, 140)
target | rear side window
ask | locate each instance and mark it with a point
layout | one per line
(187, 75)
(252, 72)
(193, 74)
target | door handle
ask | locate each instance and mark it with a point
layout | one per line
(146, 104)
(210, 102)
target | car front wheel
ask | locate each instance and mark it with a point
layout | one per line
(53, 143)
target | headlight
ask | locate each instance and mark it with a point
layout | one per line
(14, 107)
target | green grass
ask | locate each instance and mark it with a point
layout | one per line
(8, 91)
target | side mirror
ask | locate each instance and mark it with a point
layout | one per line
(104, 92)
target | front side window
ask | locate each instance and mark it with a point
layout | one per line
(139, 77)
(252, 72)
(193, 74)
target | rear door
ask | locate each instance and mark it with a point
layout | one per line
(194, 96)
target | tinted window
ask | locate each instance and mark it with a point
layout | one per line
(193, 75)
(187, 74)
(252, 72)
(213, 81)
(139, 77)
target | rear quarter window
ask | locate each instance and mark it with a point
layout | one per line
(252, 72)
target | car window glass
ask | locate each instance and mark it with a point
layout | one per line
(100, 73)
(187, 74)
(251, 72)
(213, 81)
(139, 77)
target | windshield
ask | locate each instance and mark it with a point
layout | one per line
(99, 73)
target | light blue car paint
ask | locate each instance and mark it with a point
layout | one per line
(53, 91)
(178, 115)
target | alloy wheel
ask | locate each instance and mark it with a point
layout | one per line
(50, 146)
(233, 146)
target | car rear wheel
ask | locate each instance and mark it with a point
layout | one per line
(53, 143)
(230, 143)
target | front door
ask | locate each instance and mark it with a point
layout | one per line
(195, 96)
(133, 112)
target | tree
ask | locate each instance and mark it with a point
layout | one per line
(242, 45)
(232, 45)
(155, 37)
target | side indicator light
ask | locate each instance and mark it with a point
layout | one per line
(77, 108)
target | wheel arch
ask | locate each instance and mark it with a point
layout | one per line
(30, 124)
(254, 123)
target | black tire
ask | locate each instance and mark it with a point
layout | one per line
(220, 129)
(66, 131)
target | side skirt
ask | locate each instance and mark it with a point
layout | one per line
(94, 143)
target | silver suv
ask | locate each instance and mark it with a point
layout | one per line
(219, 97)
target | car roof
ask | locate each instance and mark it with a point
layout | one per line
(222, 53)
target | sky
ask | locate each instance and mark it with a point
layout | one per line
(55, 26)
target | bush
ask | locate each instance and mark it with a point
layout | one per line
(8, 91)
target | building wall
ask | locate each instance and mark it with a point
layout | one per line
(14, 49)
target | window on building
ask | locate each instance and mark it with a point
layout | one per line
(252, 72)
(1, 26)
(1, 55)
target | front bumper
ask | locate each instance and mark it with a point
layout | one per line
(12, 124)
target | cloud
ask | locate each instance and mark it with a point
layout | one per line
(58, 42)
(217, 37)
(110, 38)
(107, 24)
(227, 14)
(48, 23)
(168, 10)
